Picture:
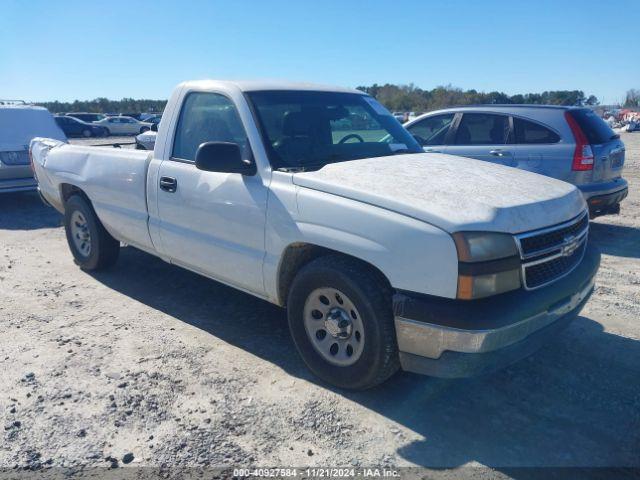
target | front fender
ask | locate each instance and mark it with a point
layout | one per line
(412, 254)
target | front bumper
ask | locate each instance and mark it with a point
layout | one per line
(453, 338)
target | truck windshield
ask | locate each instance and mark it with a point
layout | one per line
(308, 129)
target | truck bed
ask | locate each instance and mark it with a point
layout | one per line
(115, 180)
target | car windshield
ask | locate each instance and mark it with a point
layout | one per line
(307, 129)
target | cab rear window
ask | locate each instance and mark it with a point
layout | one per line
(596, 130)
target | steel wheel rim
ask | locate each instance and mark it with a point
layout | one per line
(80, 233)
(334, 326)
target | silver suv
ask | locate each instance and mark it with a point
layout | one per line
(568, 143)
(19, 123)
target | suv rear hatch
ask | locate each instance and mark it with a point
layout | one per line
(607, 150)
(19, 124)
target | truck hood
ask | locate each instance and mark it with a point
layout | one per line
(450, 192)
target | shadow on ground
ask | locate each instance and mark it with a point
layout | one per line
(25, 211)
(618, 240)
(574, 403)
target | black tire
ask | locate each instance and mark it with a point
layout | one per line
(104, 248)
(86, 133)
(371, 295)
(139, 146)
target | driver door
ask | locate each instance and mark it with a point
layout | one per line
(212, 222)
(431, 132)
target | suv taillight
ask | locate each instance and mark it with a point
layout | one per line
(583, 154)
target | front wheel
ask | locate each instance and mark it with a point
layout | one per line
(341, 321)
(91, 245)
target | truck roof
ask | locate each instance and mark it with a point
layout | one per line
(262, 85)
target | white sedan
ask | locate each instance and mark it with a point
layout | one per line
(123, 125)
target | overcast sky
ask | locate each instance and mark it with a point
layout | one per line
(65, 50)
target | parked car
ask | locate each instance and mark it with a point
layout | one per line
(400, 116)
(571, 144)
(73, 127)
(86, 117)
(146, 140)
(384, 256)
(144, 117)
(153, 119)
(19, 123)
(123, 125)
(134, 115)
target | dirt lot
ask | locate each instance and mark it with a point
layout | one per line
(150, 360)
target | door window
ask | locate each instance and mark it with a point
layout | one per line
(482, 129)
(432, 130)
(207, 117)
(530, 132)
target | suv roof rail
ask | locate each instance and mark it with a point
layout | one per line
(7, 101)
(516, 105)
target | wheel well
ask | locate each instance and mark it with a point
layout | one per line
(298, 255)
(67, 190)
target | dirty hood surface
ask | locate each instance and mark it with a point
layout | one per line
(450, 192)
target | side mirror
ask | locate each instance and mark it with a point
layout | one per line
(154, 127)
(223, 157)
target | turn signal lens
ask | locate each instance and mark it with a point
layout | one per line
(479, 286)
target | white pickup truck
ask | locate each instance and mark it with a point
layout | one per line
(316, 199)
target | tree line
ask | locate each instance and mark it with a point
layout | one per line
(104, 105)
(632, 99)
(405, 98)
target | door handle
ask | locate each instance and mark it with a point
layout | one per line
(432, 150)
(499, 153)
(168, 184)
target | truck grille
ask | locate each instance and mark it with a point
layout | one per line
(20, 157)
(551, 253)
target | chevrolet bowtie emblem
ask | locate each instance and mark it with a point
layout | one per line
(569, 245)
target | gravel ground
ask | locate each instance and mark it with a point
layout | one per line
(148, 364)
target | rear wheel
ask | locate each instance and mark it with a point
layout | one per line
(341, 321)
(91, 245)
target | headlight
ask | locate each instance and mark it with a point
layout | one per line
(488, 264)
